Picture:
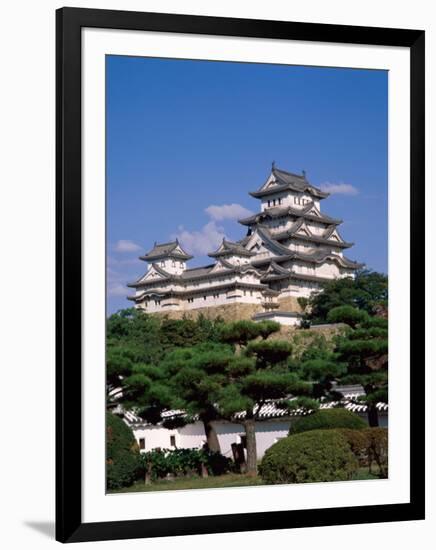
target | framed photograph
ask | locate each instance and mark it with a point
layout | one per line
(240, 274)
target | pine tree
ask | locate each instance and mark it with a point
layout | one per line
(364, 350)
(367, 291)
(258, 372)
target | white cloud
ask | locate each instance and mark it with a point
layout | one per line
(116, 283)
(227, 212)
(115, 262)
(117, 290)
(339, 188)
(210, 236)
(203, 241)
(126, 246)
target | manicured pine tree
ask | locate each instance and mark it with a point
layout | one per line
(188, 379)
(257, 373)
(322, 367)
(196, 377)
(364, 350)
(367, 291)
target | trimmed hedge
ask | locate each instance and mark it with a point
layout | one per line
(359, 443)
(121, 453)
(369, 445)
(378, 449)
(328, 419)
(182, 462)
(313, 456)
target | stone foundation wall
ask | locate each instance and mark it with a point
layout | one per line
(230, 312)
(227, 312)
(301, 339)
(289, 303)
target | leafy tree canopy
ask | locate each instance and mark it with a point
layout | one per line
(364, 350)
(135, 338)
(367, 291)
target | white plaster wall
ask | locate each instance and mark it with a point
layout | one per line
(287, 321)
(328, 269)
(267, 432)
(199, 301)
(316, 228)
(296, 200)
(304, 268)
(193, 436)
(172, 266)
(299, 288)
(271, 198)
(155, 437)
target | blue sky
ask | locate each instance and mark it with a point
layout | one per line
(186, 136)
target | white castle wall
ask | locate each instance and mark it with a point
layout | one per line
(279, 225)
(193, 436)
(294, 200)
(172, 266)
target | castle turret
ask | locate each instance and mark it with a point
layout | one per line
(287, 189)
(291, 231)
(234, 253)
(168, 256)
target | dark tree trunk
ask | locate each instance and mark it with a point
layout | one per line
(212, 439)
(147, 477)
(372, 415)
(250, 434)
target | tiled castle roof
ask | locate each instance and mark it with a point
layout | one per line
(230, 248)
(196, 273)
(285, 181)
(166, 250)
(277, 212)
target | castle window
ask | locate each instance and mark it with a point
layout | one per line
(280, 201)
(172, 440)
(269, 203)
(204, 297)
(142, 443)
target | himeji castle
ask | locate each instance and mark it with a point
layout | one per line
(289, 250)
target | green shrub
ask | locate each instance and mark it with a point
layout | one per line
(347, 314)
(318, 455)
(328, 419)
(369, 445)
(359, 443)
(182, 462)
(121, 453)
(378, 449)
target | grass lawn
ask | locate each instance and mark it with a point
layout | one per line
(227, 480)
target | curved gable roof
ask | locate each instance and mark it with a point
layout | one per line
(281, 180)
(172, 249)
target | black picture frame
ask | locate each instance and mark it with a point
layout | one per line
(69, 22)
